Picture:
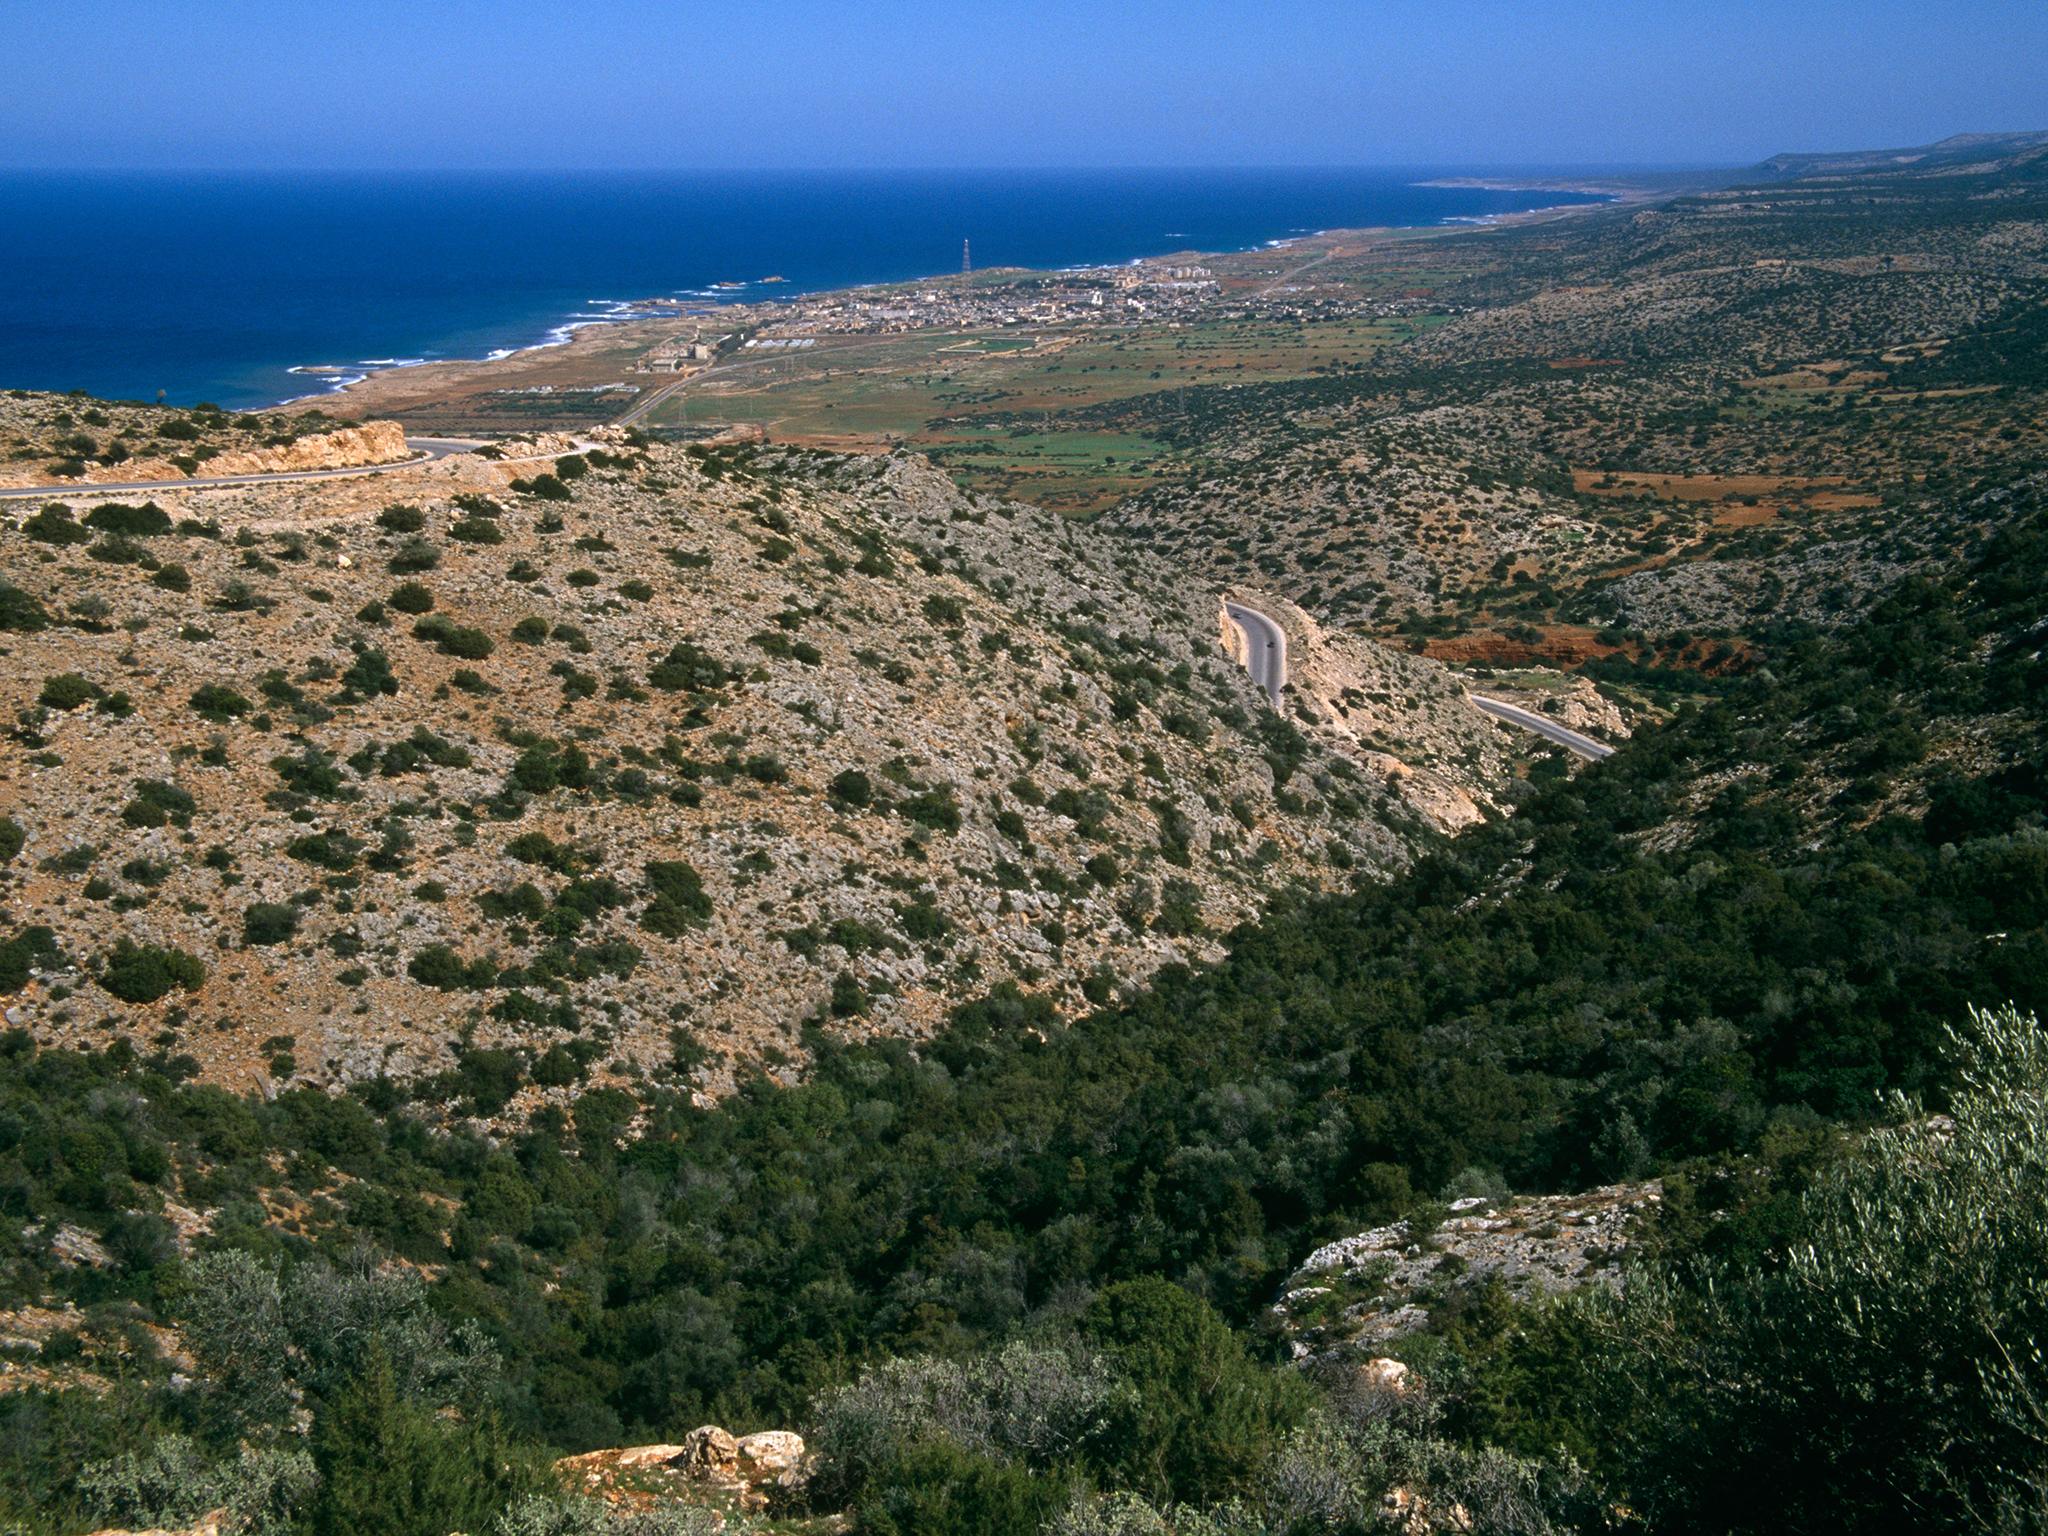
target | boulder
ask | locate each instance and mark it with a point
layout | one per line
(773, 1455)
(205, 1525)
(1390, 1377)
(710, 1453)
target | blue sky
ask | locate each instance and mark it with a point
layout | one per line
(642, 84)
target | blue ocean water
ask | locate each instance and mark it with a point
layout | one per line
(215, 286)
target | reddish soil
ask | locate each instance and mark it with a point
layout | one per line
(1560, 645)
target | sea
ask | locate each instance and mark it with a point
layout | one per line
(249, 289)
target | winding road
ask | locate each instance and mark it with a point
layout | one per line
(1265, 648)
(1266, 660)
(1549, 730)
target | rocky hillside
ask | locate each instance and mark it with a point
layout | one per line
(1359, 1295)
(1640, 432)
(643, 761)
(46, 438)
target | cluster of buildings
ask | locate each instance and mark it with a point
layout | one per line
(1152, 291)
(1142, 290)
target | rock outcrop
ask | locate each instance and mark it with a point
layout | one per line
(374, 442)
(708, 1467)
(355, 447)
(1365, 1293)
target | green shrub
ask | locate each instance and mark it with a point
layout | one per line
(367, 676)
(30, 947)
(332, 849)
(400, 518)
(412, 557)
(943, 1489)
(687, 669)
(118, 518)
(1889, 1359)
(462, 641)
(158, 804)
(539, 848)
(173, 1483)
(21, 613)
(678, 901)
(66, 691)
(54, 524)
(440, 967)
(219, 703)
(143, 973)
(936, 808)
(269, 922)
(118, 551)
(393, 1466)
(546, 487)
(411, 597)
(852, 789)
(1202, 1418)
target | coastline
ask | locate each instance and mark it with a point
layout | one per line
(711, 299)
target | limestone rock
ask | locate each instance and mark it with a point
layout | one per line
(710, 1468)
(1388, 1376)
(1359, 1294)
(373, 442)
(206, 1525)
(773, 1455)
(1413, 1514)
(971, 646)
(710, 1452)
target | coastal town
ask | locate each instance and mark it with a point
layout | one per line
(745, 355)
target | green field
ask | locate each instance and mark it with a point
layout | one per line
(989, 406)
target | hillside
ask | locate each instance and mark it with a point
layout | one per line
(1958, 153)
(645, 768)
(1642, 435)
(1696, 956)
(521, 966)
(49, 439)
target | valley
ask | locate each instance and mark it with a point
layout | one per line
(1398, 882)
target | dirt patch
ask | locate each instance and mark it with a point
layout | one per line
(1740, 515)
(1560, 645)
(1747, 501)
(1595, 482)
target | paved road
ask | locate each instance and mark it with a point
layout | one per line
(1266, 660)
(430, 449)
(1549, 729)
(648, 402)
(1265, 648)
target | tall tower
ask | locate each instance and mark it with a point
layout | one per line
(966, 259)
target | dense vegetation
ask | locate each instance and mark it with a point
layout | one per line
(1738, 930)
